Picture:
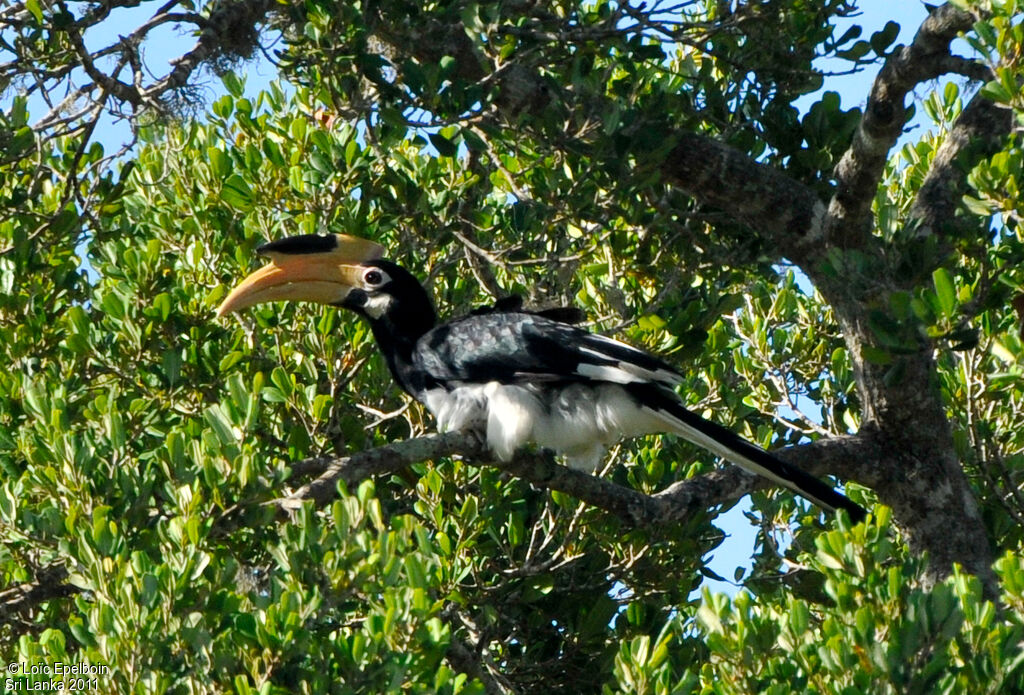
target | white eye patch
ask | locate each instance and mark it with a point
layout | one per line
(375, 277)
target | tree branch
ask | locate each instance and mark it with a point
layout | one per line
(759, 196)
(49, 584)
(848, 223)
(851, 457)
(231, 28)
(978, 132)
(109, 83)
(468, 657)
(465, 661)
(361, 465)
(753, 193)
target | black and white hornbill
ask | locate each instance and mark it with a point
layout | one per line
(519, 377)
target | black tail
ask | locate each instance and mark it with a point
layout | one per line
(734, 448)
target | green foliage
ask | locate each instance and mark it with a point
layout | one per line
(871, 630)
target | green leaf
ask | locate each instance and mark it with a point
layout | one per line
(113, 305)
(944, 291)
(115, 429)
(651, 322)
(102, 530)
(799, 617)
(215, 417)
(33, 7)
(220, 163)
(515, 529)
(976, 206)
(162, 303)
(171, 363)
(881, 40)
(850, 34)
(415, 572)
(321, 163)
(80, 631)
(709, 618)
(8, 504)
(230, 360)
(272, 151)
(223, 107)
(236, 192)
(351, 152)
(997, 92)
(232, 83)
(295, 179)
(855, 52)
(280, 378)
(175, 444)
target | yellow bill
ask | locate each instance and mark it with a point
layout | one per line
(309, 268)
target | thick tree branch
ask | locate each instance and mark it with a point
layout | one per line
(464, 660)
(50, 583)
(782, 209)
(757, 195)
(468, 657)
(353, 469)
(978, 132)
(848, 223)
(901, 407)
(849, 457)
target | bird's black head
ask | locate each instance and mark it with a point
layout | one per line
(391, 298)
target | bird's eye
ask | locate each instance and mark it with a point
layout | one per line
(373, 277)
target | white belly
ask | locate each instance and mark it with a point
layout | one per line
(578, 421)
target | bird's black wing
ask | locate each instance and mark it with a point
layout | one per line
(511, 347)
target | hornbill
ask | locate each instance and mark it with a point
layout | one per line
(519, 377)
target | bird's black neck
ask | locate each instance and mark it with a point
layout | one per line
(397, 341)
(408, 316)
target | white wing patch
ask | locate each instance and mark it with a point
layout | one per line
(512, 413)
(464, 408)
(624, 372)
